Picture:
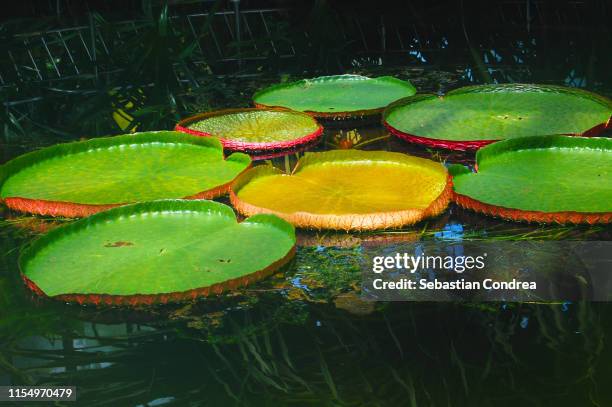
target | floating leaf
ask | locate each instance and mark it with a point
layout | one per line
(347, 189)
(78, 179)
(156, 252)
(544, 179)
(254, 129)
(337, 96)
(471, 117)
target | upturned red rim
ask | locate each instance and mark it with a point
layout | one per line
(165, 298)
(472, 145)
(248, 146)
(437, 143)
(132, 299)
(526, 215)
(355, 222)
(78, 210)
(519, 215)
(347, 115)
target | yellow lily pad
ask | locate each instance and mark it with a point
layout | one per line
(347, 189)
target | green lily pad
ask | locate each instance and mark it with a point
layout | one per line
(336, 96)
(478, 115)
(549, 179)
(156, 252)
(77, 179)
(254, 129)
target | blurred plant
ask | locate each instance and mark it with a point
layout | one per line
(146, 93)
(155, 78)
(11, 126)
(345, 140)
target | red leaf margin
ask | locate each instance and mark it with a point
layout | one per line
(234, 145)
(473, 145)
(165, 298)
(349, 222)
(348, 115)
(564, 217)
(519, 215)
(77, 210)
(132, 300)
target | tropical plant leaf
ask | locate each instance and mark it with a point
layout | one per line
(347, 189)
(77, 179)
(336, 96)
(470, 117)
(547, 179)
(254, 129)
(156, 252)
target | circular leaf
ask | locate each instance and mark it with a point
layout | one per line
(78, 179)
(471, 117)
(336, 96)
(347, 189)
(156, 252)
(545, 179)
(254, 129)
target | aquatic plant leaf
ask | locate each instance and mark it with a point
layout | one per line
(557, 179)
(254, 129)
(347, 189)
(471, 117)
(156, 252)
(77, 179)
(336, 96)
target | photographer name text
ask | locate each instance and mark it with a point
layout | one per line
(406, 263)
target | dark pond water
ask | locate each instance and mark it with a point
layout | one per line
(304, 336)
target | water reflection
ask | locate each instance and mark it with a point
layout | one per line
(305, 336)
(287, 352)
(269, 155)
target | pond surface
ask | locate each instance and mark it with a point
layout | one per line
(305, 337)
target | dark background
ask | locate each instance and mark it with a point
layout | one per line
(77, 69)
(67, 65)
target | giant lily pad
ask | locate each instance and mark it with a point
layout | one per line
(254, 129)
(156, 252)
(471, 117)
(78, 179)
(338, 96)
(347, 189)
(545, 179)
